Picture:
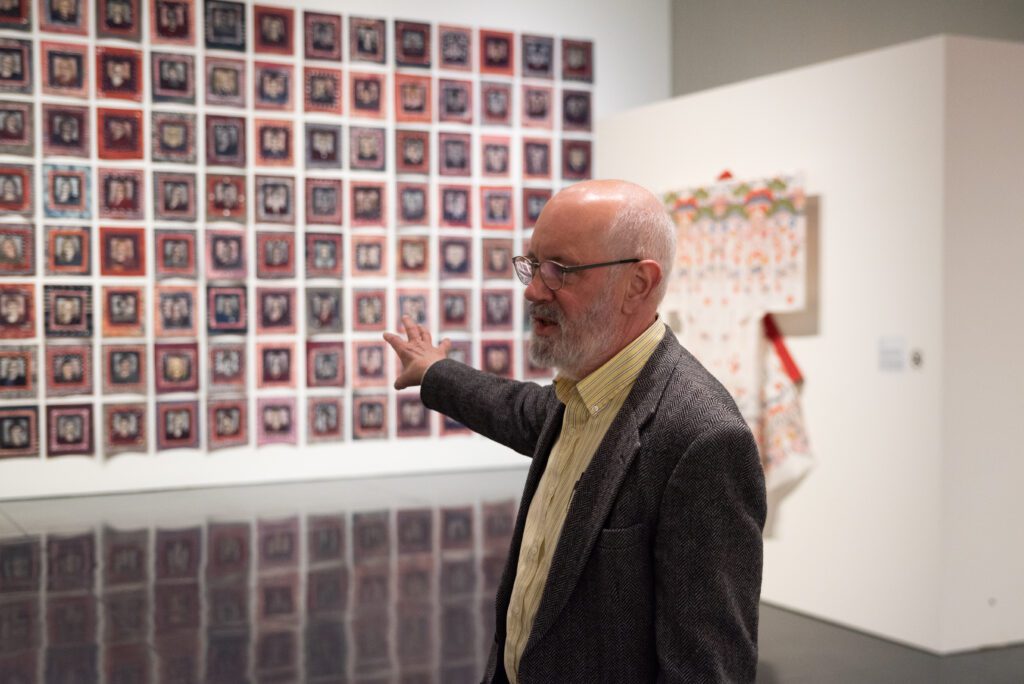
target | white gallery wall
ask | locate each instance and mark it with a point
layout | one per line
(909, 525)
(632, 67)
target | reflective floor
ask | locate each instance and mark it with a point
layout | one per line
(383, 580)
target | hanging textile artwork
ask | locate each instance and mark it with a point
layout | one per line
(741, 253)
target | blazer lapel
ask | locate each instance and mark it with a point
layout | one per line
(598, 488)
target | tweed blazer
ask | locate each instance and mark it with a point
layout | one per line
(657, 573)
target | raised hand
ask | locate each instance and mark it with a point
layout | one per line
(417, 352)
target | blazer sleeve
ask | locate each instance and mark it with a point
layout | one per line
(708, 559)
(509, 412)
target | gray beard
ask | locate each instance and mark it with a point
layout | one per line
(577, 343)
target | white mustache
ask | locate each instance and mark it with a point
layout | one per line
(546, 311)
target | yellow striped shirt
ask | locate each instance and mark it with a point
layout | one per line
(590, 407)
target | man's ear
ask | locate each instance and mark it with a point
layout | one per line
(642, 280)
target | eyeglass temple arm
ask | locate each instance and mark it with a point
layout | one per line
(574, 269)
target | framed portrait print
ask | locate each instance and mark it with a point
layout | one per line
(496, 103)
(369, 416)
(538, 56)
(225, 25)
(174, 77)
(69, 430)
(175, 253)
(122, 251)
(537, 158)
(17, 249)
(226, 310)
(67, 310)
(225, 81)
(274, 85)
(119, 133)
(455, 101)
(455, 47)
(413, 204)
(538, 106)
(412, 151)
(413, 418)
(324, 258)
(17, 311)
(325, 364)
(369, 256)
(68, 250)
(495, 153)
(275, 142)
(496, 309)
(455, 310)
(225, 140)
(175, 196)
(497, 208)
(19, 431)
(578, 60)
(575, 110)
(455, 154)
(534, 200)
(15, 66)
(17, 373)
(366, 40)
(119, 19)
(124, 368)
(323, 36)
(412, 44)
(66, 130)
(225, 255)
(413, 256)
(322, 88)
(275, 255)
(124, 428)
(276, 312)
(63, 16)
(414, 303)
(497, 52)
(16, 192)
(177, 425)
(370, 364)
(276, 421)
(176, 367)
(228, 423)
(369, 308)
(368, 203)
(367, 94)
(367, 148)
(120, 193)
(456, 206)
(273, 30)
(276, 364)
(275, 199)
(323, 310)
(413, 100)
(175, 311)
(16, 128)
(455, 257)
(324, 201)
(225, 198)
(323, 146)
(123, 308)
(497, 259)
(172, 22)
(575, 159)
(498, 357)
(119, 73)
(68, 370)
(227, 366)
(325, 419)
(173, 137)
(65, 69)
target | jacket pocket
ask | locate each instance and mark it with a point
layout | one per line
(621, 537)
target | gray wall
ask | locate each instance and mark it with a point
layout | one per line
(715, 42)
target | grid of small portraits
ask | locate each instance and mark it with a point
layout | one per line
(331, 596)
(210, 211)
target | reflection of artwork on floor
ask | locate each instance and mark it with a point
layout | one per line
(741, 255)
(293, 178)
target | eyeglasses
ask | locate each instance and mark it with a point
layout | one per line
(552, 273)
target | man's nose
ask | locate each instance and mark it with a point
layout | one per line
(537, 291)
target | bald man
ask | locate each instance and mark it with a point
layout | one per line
(637, 553)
